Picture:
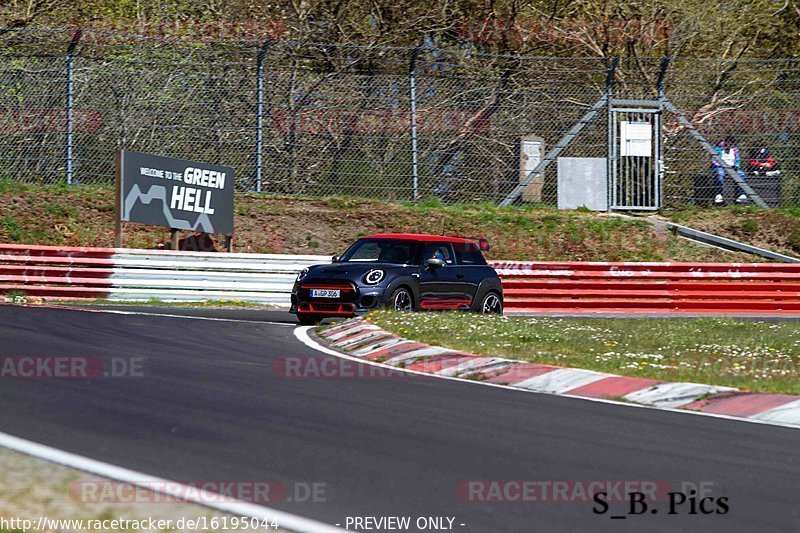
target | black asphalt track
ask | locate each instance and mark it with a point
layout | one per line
(210, 404)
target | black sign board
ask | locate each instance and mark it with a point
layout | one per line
(178, 194)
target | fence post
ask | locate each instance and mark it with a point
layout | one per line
(662, 73)
(260, 113)
(70, 104)
(610, 151)
(412, 90)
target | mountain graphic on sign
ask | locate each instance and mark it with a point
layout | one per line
(159, 192)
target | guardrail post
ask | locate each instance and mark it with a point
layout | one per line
(70, 122)
(262, 53)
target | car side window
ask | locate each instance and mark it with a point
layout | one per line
(438, 251)
(468, 253)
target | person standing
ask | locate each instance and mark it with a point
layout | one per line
(728, 152)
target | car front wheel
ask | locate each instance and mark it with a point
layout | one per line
(492, 304)
(401, 300)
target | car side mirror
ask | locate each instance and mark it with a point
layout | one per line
(335, 259)
(434, 262)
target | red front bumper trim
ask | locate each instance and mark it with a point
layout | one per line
(345, 309)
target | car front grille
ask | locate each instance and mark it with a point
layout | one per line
(348, 292)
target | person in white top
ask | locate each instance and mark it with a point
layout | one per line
(729, 153)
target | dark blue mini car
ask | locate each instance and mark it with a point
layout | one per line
(401, 271)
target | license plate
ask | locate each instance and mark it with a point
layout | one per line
(325, 293)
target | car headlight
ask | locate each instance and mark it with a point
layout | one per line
(302, 274)
(374, 277)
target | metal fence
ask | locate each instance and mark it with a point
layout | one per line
(391, 123)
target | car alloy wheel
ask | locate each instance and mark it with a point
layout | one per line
(492, 304)
(401, 300)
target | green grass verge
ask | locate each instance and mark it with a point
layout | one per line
(750, 355)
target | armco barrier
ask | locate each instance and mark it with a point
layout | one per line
(50, 272)
(138, 275)
(651, 287)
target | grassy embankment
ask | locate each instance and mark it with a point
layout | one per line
(84, 216)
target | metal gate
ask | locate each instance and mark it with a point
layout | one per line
(634, 147)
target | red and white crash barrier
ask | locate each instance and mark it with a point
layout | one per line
(51, 272)
(699, 288)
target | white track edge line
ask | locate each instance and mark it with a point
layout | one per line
(170, 488)
(211, 318)
(301, 333)
(165, 315)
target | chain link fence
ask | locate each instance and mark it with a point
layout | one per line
(390, 123)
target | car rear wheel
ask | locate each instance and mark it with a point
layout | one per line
(492, 304)
(401, 300)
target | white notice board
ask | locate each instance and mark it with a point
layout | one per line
(636, 139)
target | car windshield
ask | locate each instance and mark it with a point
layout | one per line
(381, 251)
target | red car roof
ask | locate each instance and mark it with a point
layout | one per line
(418, 237)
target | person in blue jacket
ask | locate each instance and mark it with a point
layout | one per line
(729, 153)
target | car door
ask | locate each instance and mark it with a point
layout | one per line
(443, 287)
(471, 264)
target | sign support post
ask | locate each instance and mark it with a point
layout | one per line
(118, 202)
